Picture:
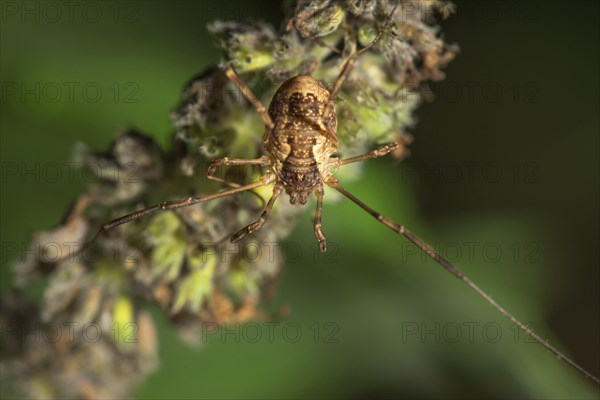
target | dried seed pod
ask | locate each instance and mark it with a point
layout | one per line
(247, 44)
(317, 19)
(176, 259)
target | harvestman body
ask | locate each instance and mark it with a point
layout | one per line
(300, 139)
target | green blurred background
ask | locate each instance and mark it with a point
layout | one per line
(521, 100)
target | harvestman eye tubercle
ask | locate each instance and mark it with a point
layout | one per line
(300, 141)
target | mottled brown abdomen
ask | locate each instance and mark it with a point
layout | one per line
(299, 141)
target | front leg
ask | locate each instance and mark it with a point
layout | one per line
(253, 227)
(258, 106)
(212, 168)
(380, 152)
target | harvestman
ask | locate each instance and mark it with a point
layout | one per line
(300, 139)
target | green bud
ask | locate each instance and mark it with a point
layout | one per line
(196, 287)
(246, 59)
(366, 34)
(167, 257)
(248, 46)
(165, 231)
(123, 327)
(328, 20)
(321, 23)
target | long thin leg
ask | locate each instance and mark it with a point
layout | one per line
(212, 167)
(253, 227)
(348, 65)
(427, 249)
(380, 152)
(352, 59)
(169, 205)
(317, 222)
(260, 109)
